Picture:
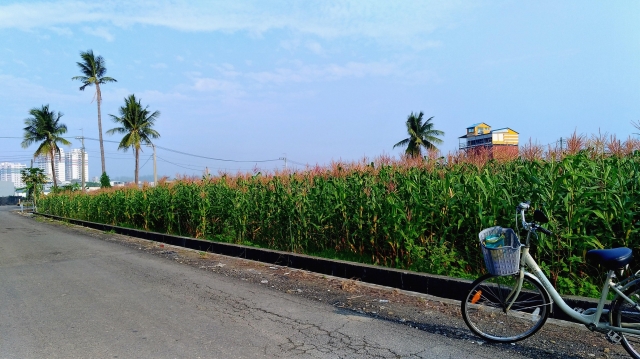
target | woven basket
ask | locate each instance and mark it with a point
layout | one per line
(504, 260)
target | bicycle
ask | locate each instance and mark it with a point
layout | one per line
(514, 300)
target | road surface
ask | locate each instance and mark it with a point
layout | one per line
(66, 294)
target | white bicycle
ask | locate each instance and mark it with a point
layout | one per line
(513, 301)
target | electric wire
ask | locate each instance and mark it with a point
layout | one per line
(193, 155)
(145, 162)
(175, 164)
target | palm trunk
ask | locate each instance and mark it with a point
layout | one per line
(137, 162)
(53, 170)
(99, 100)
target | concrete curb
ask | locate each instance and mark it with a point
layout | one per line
(435, 285)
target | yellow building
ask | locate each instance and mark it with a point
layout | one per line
(481, 136)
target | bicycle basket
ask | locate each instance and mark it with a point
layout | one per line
(503, 259)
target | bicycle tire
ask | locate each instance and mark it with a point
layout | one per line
(624, 314)
(484, 308)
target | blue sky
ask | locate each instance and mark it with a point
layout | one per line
(317, 81)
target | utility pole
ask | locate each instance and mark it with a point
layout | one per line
(155, 172)
(560, 144)
(285, 160)
(83, 176)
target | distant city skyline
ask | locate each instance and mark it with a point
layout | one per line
(68, 167)
(243, 85)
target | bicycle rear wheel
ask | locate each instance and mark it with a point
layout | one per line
(484, 308)
(627, 315)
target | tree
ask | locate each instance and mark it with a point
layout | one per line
(45, 128)
(137, 126)
(105, 181)
(93, 73)
(34, 179)
(420, 135)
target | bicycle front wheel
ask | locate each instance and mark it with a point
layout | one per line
(626, 315)
(484, 308)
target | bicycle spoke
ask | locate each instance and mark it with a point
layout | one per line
(487, 316)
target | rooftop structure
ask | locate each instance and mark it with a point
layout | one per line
(480, 136)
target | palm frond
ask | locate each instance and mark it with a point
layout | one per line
(420, 135)
(104, 80)
(401, 143)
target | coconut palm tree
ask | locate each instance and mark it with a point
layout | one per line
(93, 70)
(136, 125)
(420, 135)
(44, 127)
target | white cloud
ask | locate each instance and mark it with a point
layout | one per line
(393, 22)
(332, 72)
(102, 32)
(289, 44)
(63, 31)
(30, 91)
(155, 99)
(210, 84)
(315, 47)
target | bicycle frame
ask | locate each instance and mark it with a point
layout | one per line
(591, 317)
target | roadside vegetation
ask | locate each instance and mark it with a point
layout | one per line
(422, 214)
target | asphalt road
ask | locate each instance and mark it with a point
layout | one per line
(65, 294)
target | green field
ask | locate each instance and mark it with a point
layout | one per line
(424, 215)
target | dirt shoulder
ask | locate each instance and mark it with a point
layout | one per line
(431, 314)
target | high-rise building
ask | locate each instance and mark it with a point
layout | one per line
(44, 162)
(73, 165)
(11, 172)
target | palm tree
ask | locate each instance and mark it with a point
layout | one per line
(137, 126)
(420, 135)
(45, 128)
(93, 70)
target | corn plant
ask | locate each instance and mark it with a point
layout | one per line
(420, 215)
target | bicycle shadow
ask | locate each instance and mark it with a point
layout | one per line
(524, 347)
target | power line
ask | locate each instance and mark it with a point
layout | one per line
(175, 164)
(145, 162)
(213, 158)
(297, 163)
(192, 155)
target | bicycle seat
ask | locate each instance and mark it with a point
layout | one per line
(612, 259)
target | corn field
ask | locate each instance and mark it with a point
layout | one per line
(420, 215)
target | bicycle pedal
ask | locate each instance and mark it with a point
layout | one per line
(579, 310)
(614, 337)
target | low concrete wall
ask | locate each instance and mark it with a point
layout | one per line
(439, 286)
(10, 200)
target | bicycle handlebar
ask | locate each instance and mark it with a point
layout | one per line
(544, 230)
(522, 208)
